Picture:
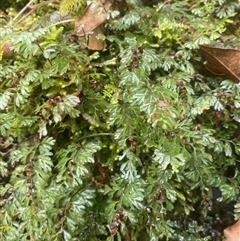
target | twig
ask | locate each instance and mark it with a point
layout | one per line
(33, 8)
(23, 17)
(65, 21)
(22, 10)
(162, 5)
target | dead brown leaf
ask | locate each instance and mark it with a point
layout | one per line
(92, 23)
(162, 104)
(232, 233)
(153, 117)
(94, 43)
(222, 62)
(94, 16)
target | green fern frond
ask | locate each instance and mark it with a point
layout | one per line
(72, 6)
(111, 92)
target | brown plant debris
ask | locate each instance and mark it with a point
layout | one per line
(232, 233)
(91, 25)
(222, 62)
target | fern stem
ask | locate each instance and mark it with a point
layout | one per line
(94, 135)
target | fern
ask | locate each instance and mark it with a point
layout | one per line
(72, 6)
(111, 92)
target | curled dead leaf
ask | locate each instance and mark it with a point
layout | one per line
(94, 43)
(94, 16)
(232, 233)
(222, 62)
(92, 23)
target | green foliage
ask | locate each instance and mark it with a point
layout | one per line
(70, 6)
(123, 144)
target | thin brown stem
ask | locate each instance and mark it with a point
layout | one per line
(162, 5)
(33, 8)
(27, 6)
